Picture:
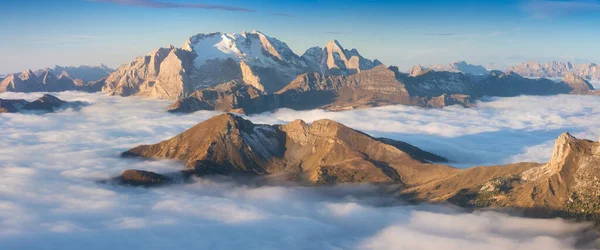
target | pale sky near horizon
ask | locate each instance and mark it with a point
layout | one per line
(39, 34)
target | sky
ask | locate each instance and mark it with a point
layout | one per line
(39, 34)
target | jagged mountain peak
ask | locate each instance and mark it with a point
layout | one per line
(28, 73)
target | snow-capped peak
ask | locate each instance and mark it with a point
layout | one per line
(251, 47)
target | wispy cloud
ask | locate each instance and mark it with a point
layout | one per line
(542, 9)
(168, 5)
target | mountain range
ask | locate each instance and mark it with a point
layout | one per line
(56, 79)
(327, 152)
(207, 60)
(554, 69)
(84, 73)
(251, 72)
(374, 87)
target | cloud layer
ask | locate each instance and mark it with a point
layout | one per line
(49, 198)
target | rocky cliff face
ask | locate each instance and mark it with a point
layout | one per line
(555, 69)
(160, 74)
(324, 152)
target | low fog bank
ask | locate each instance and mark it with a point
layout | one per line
(49, 198)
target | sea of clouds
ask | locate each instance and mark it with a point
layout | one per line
(49, 165)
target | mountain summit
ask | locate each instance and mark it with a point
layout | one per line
(324, 152)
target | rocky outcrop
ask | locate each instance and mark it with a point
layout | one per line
(556, 69)
(142, 178)
(46, 103)
(324, 152)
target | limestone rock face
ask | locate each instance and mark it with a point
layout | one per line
(160, 74)
(324, 152)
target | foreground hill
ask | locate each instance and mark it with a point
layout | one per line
(324, 152)
(327, 152)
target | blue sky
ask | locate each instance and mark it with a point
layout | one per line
(404, 33)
